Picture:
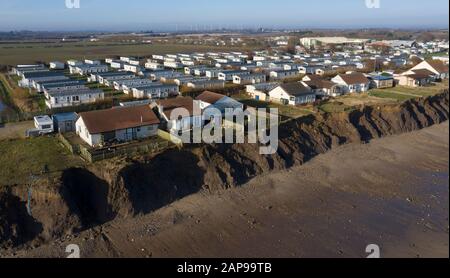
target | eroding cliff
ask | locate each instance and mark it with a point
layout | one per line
(89, 197)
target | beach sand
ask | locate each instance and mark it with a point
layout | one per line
(392, 192)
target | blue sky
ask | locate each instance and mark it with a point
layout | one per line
(117, 15)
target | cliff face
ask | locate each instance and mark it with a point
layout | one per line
(302, 139)
(89, 197)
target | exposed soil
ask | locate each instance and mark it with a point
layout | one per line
(120, 189)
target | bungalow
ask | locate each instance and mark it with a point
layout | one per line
(67, 98)
(103, 78)
(88, 69)
(352, 82)
(19, 70)
(92, 62)
(63, 86)
(31, 79)
(214, 100)
(435, 66)
(322, 87)
(154, 66)
(200, 71)
(156, 91)
(158, 74)
(117, 64)
(227, 75)
(381, 81)
(206, 84)
(260, 91)
(173, 65)
(184, 80)
(119, 124)
(292, 94)
(74, 63)
(57, 65)
(282, 74)
(60, 84)
(212, 73)
(121, 85)
(132, 68)
(416, 78)
(167, 106)
(253, 78)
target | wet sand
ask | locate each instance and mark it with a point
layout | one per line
(392, 192)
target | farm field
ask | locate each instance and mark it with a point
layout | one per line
(28, 53)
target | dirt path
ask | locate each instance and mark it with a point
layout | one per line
(392, 192)
(15, 130)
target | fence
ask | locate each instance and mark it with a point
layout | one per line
(152, 146)
(73, 148)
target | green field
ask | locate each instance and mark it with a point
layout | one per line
(23, 157)
(26, 53)
(334, 107)
(401, 93)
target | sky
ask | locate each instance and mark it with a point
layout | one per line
(178, 15)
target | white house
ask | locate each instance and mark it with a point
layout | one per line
(435, 66)
(292, 94)
(352, 82)
(228, 75)
(156, 91)
(119, 124)
(321, 86)
(173, 65)
(212, 73)
(282, 74)
(57, 65)
(214, 100)
(132, 68)
(244, 79)
(88, 69)
(167, 107)
(154, 66)
(67, 98)
(206, 84)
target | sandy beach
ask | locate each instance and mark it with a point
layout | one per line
(392, 192)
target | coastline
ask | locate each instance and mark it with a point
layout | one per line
(392, 192)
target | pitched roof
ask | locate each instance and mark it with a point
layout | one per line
(118, 118)
(295, 89)
(439, 66)
(421, 74)
(210, 97)
(320, 84)
(354, 78)
(171, 104)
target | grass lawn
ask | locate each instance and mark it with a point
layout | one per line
(23, 157)
(390, 94)
(334, 107)
(401, 93)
